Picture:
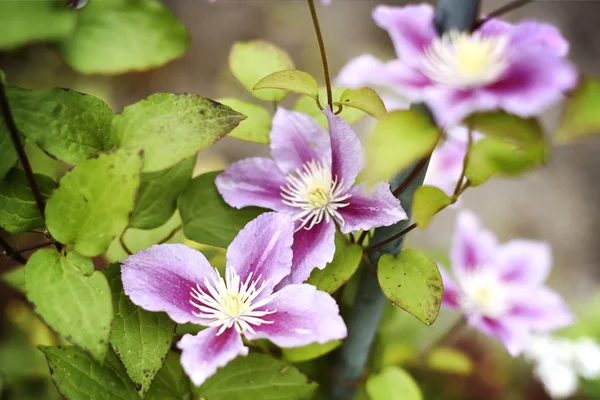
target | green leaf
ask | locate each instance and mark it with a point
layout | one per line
(580, 117)
(257, 127)
(449, 360)
(69, 125)
(399, 139)
(128, 36)
(157, 197)
(207, 219)
(308, 106)
(78, 377)
(251, 61)
(18, 209)
(172, 127)
(291, 80)
(8, 155)
(85, 265)
(393, 383)
(310, 352)
(24, 22)
(427, 202)
(256, 376)
(74, 305)
(94, 200)
(508, 127)
(15, 278)
(140, 339)
(43, 163)
(345, 263)
(412, 282)
(364, 99)
(170, 383)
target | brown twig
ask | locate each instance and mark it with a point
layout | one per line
(422, 163)
(315, 19)
(391, 239)
(502, 10)
(10, 252)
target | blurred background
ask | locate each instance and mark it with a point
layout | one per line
(558, 203)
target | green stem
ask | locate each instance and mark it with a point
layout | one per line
(368, 306)
(315, 19)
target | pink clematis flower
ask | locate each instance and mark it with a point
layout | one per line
(311, 177)
(500, 287)
(518, 68)
(179, 281)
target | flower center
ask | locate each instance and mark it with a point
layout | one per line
(230, 302)
(485, 294)
(462, 60)
(316, 193)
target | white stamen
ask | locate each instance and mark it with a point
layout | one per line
(484, 293)
(461, 60)
(316, 193)
(229, 302)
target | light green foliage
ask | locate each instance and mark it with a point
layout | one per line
(580, 117)
(427, 202)
(256, 127)
(345, 263)
(18, 210)
(172, 127)
(412, 282)
(85, 265)
(76, 306)
(399, 139)
(308, 106)
(393, 383)
(157, 197)
(291, 80)
(78, 377)
(251, 61)
(94, 200)
(207, 219)
(29, 21)
(170, 383)
(69, 125)
(41, 162)
(15, 278)
(140, 339)
(508, 127)
(256, 377)
(117, 37)
(364, 99)
(310, 352)
(8, 155)
(450, 361)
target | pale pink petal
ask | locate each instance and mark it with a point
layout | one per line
(407, 80)
(161, 278)
(514, 336)
(452, 292)
(411, 29)
(450, 107)
(371, 208)
(446, 165)
(297, 139)
(304, 315)
(526, 262)
(346, 151)
(204, 353)
(541, 309)
(472, 246)
(252, 182)
(263, 248)
(365, 70)
(312, 249)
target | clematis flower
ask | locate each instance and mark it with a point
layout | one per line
(311, 177)
(500, 288)
(179, 281)
(519, 68)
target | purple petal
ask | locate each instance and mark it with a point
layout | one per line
(472, 246)
(312, 249)
(408, 80)
(346, 151)
(203, 354)
(304, 315)
(297, 139)
(252, 182)
(371, 208)
(365, 70)
(533, 82)
(161, 277)
(263, 248)
(450, 107)
(411, 29)
(452, 293)
(525, 262)
(446, 164)
(514, 336)
(541, 309)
